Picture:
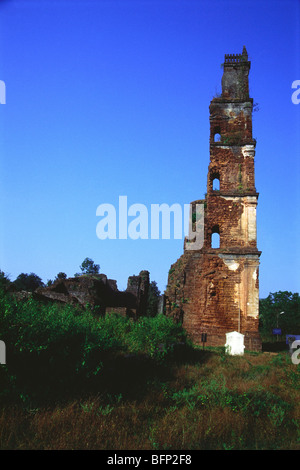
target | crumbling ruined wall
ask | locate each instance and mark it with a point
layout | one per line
(100, 293)
(139, 287)
(216, 290)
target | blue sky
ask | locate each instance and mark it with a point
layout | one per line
(107, 98)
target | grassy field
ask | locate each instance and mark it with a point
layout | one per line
(137, 392)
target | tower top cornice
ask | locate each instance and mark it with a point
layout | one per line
(234, 59)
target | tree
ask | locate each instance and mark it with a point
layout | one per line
(280, 309)
(153, 299)
(60, 275)
(4, 280)
(88, 267)
(28, 282)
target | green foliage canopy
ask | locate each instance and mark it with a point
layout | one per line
(4, 280)
(88, 266)
(28, 282)
(60, 275)
(153, 299)
(271, 316)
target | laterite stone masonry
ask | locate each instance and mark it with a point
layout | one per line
(215, 290)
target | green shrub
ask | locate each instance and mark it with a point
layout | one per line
(155, 337)
(54, 350)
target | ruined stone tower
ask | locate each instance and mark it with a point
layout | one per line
(213, 289)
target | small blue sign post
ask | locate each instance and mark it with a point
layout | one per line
(276, 331)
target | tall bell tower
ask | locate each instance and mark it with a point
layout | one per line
(214, 288)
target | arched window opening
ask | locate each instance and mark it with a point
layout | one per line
(217, 134)
(215, 240)
(216, 184)
(215, 180)
(215, 237)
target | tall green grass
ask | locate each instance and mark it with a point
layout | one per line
(77, 381)
(206, 403)
(55, 349)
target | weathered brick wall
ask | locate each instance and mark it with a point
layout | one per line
(240, 178)
(216, 291)
(208, 297)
